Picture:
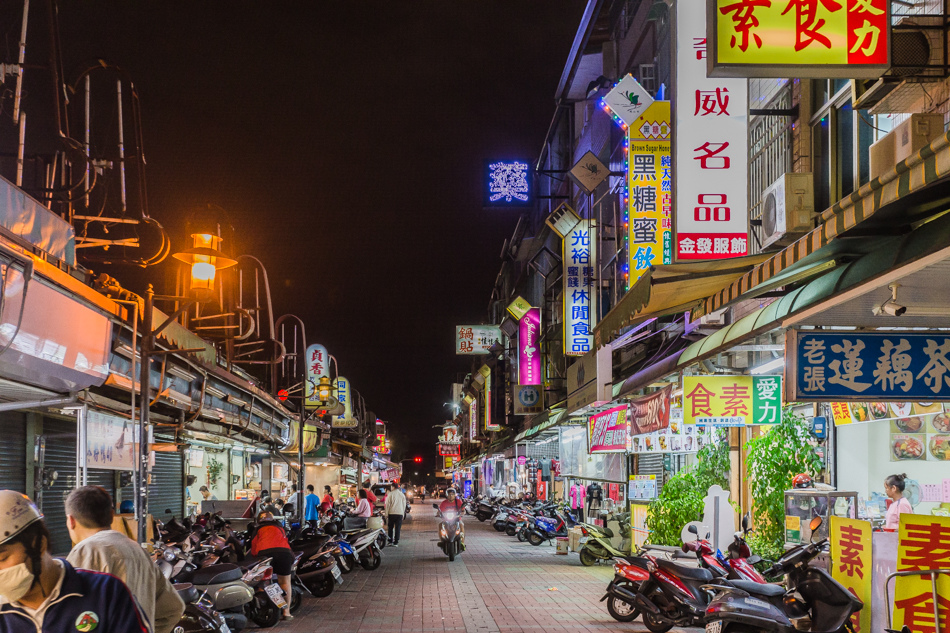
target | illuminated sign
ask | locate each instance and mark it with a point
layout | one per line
(710, 151)
(798, 38)
(649, 221)
(487, 406)
(450, 449)
(507, 183)
(383, 448)
(580, 288)
(529, 352)
(318, 365)
(627, 101)
(732, 400)
(473, 418)
(345, 421)
(476, 339)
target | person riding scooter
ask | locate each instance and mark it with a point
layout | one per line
(451, 502)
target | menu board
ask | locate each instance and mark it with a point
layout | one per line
(919, 431)
(679, 437)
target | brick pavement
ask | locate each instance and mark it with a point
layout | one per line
(497, 585)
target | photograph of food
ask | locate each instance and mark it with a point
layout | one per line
(908, 425)
(923, 408)
(859, 411)
(689, 445)
(647, 444)
(662, 443)
(676, 444)
(906, 447)
(878, 410)
(941, 423)
(675, 426)
(940, 447)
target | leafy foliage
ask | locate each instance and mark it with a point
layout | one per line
(214, 471)
(681, 499)
(774, 458)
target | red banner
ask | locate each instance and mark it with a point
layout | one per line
(651, 413)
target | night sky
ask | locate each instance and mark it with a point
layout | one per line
(346, 140)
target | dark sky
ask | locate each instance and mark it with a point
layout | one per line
(346, 140)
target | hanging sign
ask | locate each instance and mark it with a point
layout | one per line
(710, 151)
(518, 308)
(487, 404)
(472, 417)
(318, 366)
(476, 339)
(607, 432)
(732, 400)
(830, 38)
(589, 172)
(529, 400)
(923, 543)
(450, 448)
(627, 101)
(651, 413)
(507, 183)
(529, 354)
(580, 291)
(383, 448)
(851, 563)
(345, 421)
(649, 191)
(110, 441)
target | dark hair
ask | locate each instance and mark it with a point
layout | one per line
(91, 506)
(327, 488)
(362, 493)
(366, 484)
(896, 480)
(203, 489)
(32, 540)
(310, 487)
(266, 499)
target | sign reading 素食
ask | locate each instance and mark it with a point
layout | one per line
(850, 366)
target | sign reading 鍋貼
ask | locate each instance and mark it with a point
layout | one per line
(608, 432)
(732, 400)
(580, 291)
(885, 366)
(476, 339)
(650, 190)
(318, 365)
(508, 183)
(529, 352)
(710, 138)
(798, 38)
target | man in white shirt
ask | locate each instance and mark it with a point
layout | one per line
(97, 547)
(395, 508)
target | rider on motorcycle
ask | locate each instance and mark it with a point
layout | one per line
(451, 502)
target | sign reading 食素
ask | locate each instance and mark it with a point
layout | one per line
(798, 38)
(851, 366)
(580, 291)
(607, 432)
(732, 400)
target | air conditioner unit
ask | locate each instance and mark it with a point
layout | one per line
(788, 206)
(917, 58)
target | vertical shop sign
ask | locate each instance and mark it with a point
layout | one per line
(710, 151)
(607, 432)
(318, 364)
(487, 405)
(923, 543)
(472, 417)
(345, 421)
(732, 400)
(580, 292)
(649, 220)
(851, 560)
(529, 354)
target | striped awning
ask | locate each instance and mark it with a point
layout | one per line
(911, 175)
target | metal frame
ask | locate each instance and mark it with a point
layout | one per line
(933, 573)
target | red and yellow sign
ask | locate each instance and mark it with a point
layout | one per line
(923, 544)
(650, 189)
(851, 560)
(803, 38)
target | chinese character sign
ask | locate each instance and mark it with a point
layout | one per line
(851, 564)
(607, 432)
(383, 448)
(650, 191)
(476, 339)
(507, 183)
(799, 38)
(580, 288)
(318, 365)
(923, 543)
(711, 151)
(529, 352)
(896, 366)
(732, 400)
(110, 441)
(346, 420)
(489, 426)
(473, 418)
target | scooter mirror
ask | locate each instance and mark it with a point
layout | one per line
(692, 529)
(745, 523)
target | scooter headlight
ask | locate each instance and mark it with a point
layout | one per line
(442, 531)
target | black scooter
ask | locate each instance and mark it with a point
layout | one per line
(199, 615)
(814, 601)
(451, 533)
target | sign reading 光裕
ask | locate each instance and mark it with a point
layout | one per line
(580, 291)
(799, 38)
(732, 400)
(710, 137)
(476, 339)
(650, 190)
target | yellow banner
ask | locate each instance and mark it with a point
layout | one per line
(840, 413)
(717, 400)
(923, 544)
(650, 184)
(852, 564)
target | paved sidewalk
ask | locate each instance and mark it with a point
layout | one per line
(496, 585)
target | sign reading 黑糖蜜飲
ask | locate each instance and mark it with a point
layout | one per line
(650, 189)
(798, 38)
(879, 366)
(732, 400)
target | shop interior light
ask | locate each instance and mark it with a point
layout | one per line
(765, 368)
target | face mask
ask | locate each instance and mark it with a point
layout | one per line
(15, 582)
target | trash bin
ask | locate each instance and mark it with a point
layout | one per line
(562, 544)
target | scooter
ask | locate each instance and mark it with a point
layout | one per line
(596, 545)
(365, 546)
(267, 605)
(547, 529)
(500, 522)
(226, 589)
(813, 602)
(317, 570)
(740, 559)
(451, 533)
(484, 510)
(199, 615)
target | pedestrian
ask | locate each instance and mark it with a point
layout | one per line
(267, 505)
(395, 509)
(369, 494)
(326, 504)
(97, 547)
(312, 507)
(206, 494)
(42, 594)
(894, 487)
(270, 541)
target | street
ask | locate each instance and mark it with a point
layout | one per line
(498, 584)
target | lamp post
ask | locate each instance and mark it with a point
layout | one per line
(300, 347)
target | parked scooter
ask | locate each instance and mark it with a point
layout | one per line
(596, 545)
(813, 602)
(317, 570)
(451, 533)
(199, 615)
(547, 529)
(484, 510)
(739, 559)
(269, 601)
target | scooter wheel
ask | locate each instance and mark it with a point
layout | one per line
(620, 610)
(345, 564)
(263, 612)
(324, 586)
(535, 539)
(588, 558)
(451, 547)
(371, 562)
(523, 536)
(654, 624)
(296, 599)
(499, 527)
(510, 530)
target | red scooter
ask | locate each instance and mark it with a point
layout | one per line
(740, 559)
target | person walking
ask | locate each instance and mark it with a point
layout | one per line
(312, 507)
(395, 509)
(97, 547)
(327, 503)
(42, 594)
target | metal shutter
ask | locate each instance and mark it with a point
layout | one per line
(60, 456)
(13, 452)
(167, 491)
(651, 464)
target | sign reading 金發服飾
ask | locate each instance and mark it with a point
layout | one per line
(529, 352)
(732, 400)
(507, 183)
(710, 147)
(650, 190)
(318, 366)
(798, 38)
(476, 339)
(580, 291)
(885, 366)
(607, 432)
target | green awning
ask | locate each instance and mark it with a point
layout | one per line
(545, 421)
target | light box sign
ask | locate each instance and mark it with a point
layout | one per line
(732, 400)
(473, 418)
(649, 192)
(318, 364)
(529, 354)
(476, 339)
(851, 366)
(486, 407)
(607, 432)
(508, 183)
(580, 288)
(710, 136)
(449, 449)
(383, 448)
(345, 421)
(529, 400)
(798, 38)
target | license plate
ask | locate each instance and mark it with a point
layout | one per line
(276, 594)
(584, 539)
(337, 575)
(714, 627)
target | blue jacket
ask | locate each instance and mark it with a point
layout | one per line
(88, 601)
(313, 507)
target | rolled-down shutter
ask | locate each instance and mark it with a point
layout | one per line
(60, 457)
(167, 490)
(13, 452)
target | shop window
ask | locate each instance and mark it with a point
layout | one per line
(841, 142)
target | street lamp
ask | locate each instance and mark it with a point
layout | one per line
(205, 259)
(325, 389)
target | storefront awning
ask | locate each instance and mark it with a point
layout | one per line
(908, 178)
(550, 419)
(670, 289)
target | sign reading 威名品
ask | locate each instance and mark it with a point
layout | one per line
(847, 366)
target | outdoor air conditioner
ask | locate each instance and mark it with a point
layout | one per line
(788, 205)
(917, 58)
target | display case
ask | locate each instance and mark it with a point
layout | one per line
(802, 505)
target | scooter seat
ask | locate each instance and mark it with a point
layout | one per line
(187, 592)
(217, 574)
(759, 589)
(690, 573)
(632, 560)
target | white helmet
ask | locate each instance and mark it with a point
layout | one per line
(17, 513)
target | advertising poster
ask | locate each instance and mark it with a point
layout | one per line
(608, 431)
(732, 400)
(918, 430)
(110, 441)
(651, 413)
(923, 543)
(851, 563)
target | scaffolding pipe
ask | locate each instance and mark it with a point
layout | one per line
(118, 85)
(17, 98)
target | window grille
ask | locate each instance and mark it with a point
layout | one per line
(770, 156)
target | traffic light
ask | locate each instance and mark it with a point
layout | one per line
(417, 460)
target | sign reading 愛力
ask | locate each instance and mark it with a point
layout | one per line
(732, 400)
